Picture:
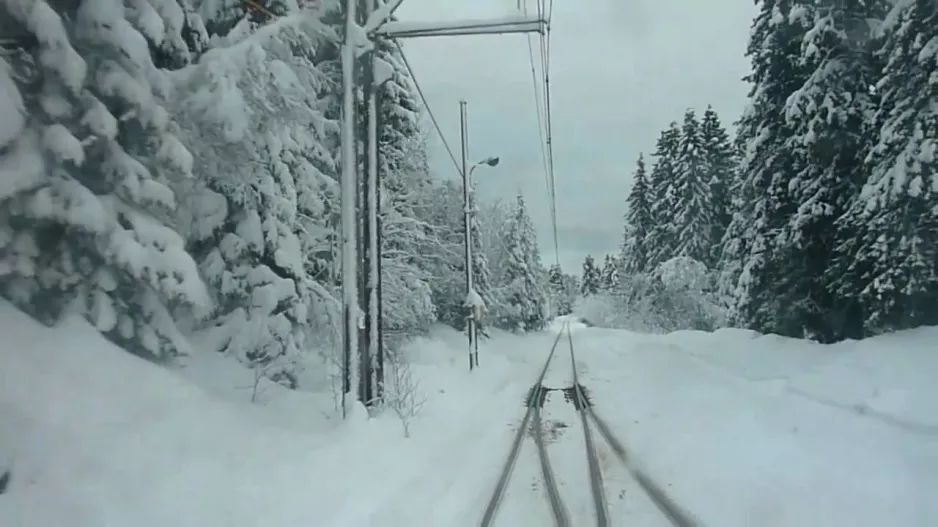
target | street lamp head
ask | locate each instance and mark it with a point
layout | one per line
(489, 162)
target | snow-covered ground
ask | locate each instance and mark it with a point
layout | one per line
(740, 429)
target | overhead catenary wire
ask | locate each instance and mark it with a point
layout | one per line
(423, 100)
(542, 101)
(538, 97)
(547, 110)
(539, 111)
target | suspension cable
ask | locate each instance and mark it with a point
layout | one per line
(542, 101)
(543, 106)
(538, 108)
(423, 100)
(550, 141)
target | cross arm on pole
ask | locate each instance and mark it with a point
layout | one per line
(512, 24)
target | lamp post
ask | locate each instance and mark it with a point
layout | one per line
(469, 203)
(471, 295)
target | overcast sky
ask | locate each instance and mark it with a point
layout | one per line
(621, 70)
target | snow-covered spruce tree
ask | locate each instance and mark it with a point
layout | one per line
(267, 174)
(731, 246)
(638, 222)
(446, 253)
(571, 289)
(592, 277)
(609, 275)
(681, 297)
(692, 218)
(829, 120)
(221, 16)
(448, 279)
(662, 238)
(86, 226)
(494, 224)
(481, 274)
(555, 289)
(526, 293)
(719, 174)
(494, 220)
(887, 265)
(224, 16)
(412, 241)
(751, 265)
(174, 31)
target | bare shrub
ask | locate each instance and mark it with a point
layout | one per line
(402, 393)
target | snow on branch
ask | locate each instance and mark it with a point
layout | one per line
(381, 15)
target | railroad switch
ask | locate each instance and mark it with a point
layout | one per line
(578, 395)
(537, 396)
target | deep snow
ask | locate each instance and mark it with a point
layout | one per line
(741, 429)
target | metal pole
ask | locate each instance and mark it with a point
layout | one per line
(364, 259)
(379, 300)
(372, 318)
(490, 161)
(471, 222)
(467, 226)
(348, 190)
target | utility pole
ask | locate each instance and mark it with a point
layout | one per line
(375, 348)
(378, 301)
(367, 347)
(377, 74)
(362, 312)
(374, 74)
(349, 189)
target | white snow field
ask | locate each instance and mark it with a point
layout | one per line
(742, 430)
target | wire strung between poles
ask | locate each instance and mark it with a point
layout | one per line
(543, 109)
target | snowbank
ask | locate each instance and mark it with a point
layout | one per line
(744, 429)
(741, 429)
(96, 436)
(891, 377)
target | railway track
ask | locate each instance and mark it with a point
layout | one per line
(578, 395)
